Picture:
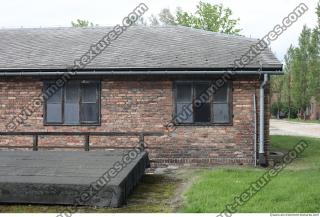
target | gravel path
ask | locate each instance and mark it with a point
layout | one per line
(282, 127)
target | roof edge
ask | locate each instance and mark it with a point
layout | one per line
(133, 69)
(139, 72)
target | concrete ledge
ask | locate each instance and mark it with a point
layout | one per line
(52, 177)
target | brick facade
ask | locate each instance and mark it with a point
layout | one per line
(145, 105)
(314, 109)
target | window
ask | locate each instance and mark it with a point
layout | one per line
(202, 102)
(76, 103)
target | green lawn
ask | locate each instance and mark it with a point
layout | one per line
(304, 121)
(296, 189)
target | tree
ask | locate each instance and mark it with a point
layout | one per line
(316, 55)
(314, 63)
(318, 14)
(287, 83)
(140, 22)
(301, 68)
(82, 23)
(210, 17)
(154, 21)
(302, 76)
(277, 86)
(166, 17)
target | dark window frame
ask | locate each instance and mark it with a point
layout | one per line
(211, 123)
(81, 123)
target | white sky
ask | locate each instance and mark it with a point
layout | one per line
(257, 17)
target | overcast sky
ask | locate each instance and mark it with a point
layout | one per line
(257, 17)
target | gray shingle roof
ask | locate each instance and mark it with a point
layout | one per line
(138, 47)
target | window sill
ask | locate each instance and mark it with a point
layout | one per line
(73, 125)
(203, 125)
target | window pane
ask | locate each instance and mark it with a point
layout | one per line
(72, 92)
(184, 113)
(90, 112)
(71, 106)
(89, 92)
(54, 93)
(184, 93)
(221, 113)
(71, 113)
(54, 114)
(221, 94)
(202, 113)
(201, 92)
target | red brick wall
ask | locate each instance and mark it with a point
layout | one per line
(315, 113)
(131, 105)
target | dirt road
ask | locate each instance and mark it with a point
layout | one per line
(282, 127)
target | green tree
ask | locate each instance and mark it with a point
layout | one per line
(277, 88)
(210, 17)
(301, 68)
(315, 64)
(287, 77)
(82, 23)
(302, 76)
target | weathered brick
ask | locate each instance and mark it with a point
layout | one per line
(130, 105)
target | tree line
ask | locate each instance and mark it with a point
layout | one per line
(210, 17)
(293, 91)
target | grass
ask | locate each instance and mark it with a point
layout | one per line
(296, 189)
(153, 194)
(304, 121)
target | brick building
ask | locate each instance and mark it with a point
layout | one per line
(314, 109)
(175, 80)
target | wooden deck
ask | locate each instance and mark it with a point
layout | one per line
(60, 177)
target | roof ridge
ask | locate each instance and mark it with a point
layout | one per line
(216, 33)
(54, 28)
(136, 26)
